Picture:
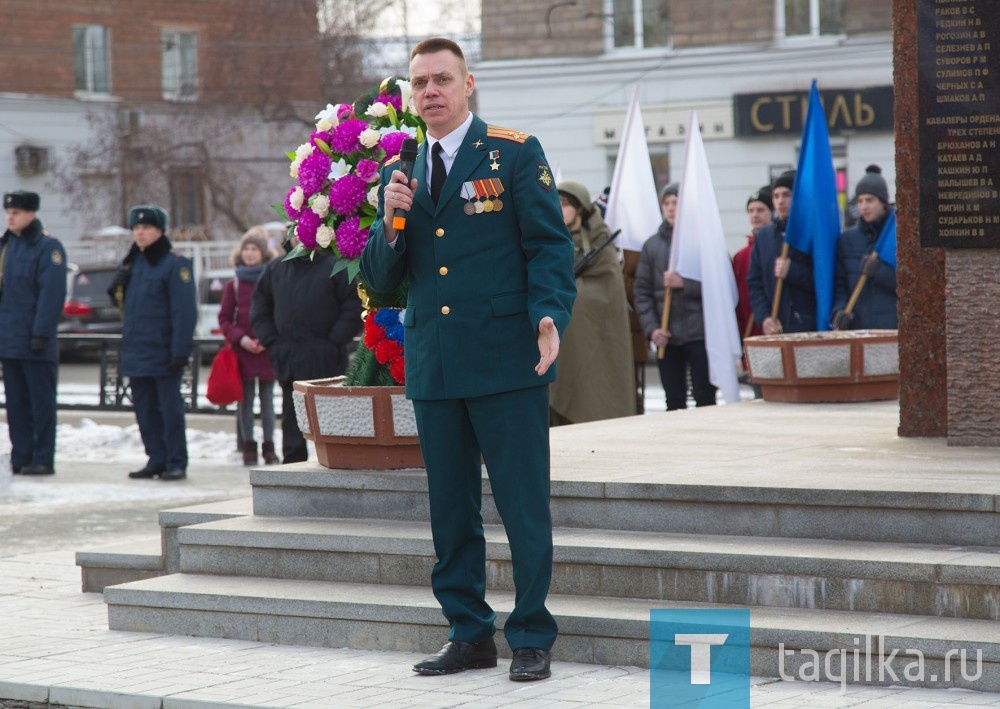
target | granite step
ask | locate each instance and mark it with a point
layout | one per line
(154, 556)
(594, 629)
(863, 514)
(120, 563)
(918, 579)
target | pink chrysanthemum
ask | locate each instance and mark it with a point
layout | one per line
(350, 239)
(344, 138)
(347, 194)
(313, 172)
(393, 99)
(392, 142)
(323, 135)
(344, 110)
(367, 169)
(309, 222)
(291, 211)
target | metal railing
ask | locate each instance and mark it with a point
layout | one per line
(113, 390)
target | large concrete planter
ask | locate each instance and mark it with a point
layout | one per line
(855, 365)
(358, 428)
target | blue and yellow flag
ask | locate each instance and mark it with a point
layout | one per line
(814, 220)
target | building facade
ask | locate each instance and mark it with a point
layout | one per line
(187, 103)
(566, 71)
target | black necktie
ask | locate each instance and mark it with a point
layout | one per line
(438, 172)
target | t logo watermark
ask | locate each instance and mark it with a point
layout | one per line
(699, 658)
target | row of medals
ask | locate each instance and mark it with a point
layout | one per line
(486, 206)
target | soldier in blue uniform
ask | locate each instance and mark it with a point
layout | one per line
(32, 292)
(155, 289)
(489, 264)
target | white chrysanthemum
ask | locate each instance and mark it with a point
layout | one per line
(369, 138)
(377, 110)
(324, 235)
(338, 169)
(323, 125)
(320, 205)
(298, 196)
(373, 196)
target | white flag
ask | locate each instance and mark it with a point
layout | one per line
(632, 203)
(698, 252)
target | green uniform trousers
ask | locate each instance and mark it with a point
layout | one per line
(510, 431)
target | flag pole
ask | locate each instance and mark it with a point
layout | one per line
(664, 320)
(862, 279)
(777, 291)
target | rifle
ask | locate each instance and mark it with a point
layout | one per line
(583, 262)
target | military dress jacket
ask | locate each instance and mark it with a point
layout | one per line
(160, 311)
(32, 293)
(479, 279)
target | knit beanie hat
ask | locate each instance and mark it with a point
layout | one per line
(785, 179)
(762, 195)
(873, 183)
(673, 188)
(257, 236)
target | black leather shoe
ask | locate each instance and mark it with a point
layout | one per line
(37, 470)
(456, 656)
(16, 469)
(145, 473)
(173, 474)
(530, 663)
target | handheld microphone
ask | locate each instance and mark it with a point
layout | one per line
(407, 157)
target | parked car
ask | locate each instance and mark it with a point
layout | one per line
(88, 309)
(211, 285)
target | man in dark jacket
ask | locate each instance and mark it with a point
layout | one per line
(306, 319)
(797, 306)
(877, 302)
(683, 341)
(155, 289)
(32, 291)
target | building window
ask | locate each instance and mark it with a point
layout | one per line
(180, 65)
(90, 59)
(186, 207)
(810, 18)
(640, 23)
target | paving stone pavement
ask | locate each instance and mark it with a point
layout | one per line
(56, 649)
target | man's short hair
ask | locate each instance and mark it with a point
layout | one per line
(439, 44)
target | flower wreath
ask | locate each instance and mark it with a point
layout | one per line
(334, 203)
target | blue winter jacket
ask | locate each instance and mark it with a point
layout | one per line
(33, 293)
(160, 310)
(797, 309)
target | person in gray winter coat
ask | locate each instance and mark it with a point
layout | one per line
(684, 338)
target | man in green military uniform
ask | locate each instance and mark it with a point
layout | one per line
(490, 269)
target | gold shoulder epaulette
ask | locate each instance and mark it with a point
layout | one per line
(390, 161)
(506, 134)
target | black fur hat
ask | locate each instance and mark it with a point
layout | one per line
(28, 201)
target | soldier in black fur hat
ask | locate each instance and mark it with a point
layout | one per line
(32, 292)
(156, 292)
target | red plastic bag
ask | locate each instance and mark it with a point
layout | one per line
(225, 385)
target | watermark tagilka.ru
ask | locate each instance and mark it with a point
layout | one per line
(869, 661)
(701, 658)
